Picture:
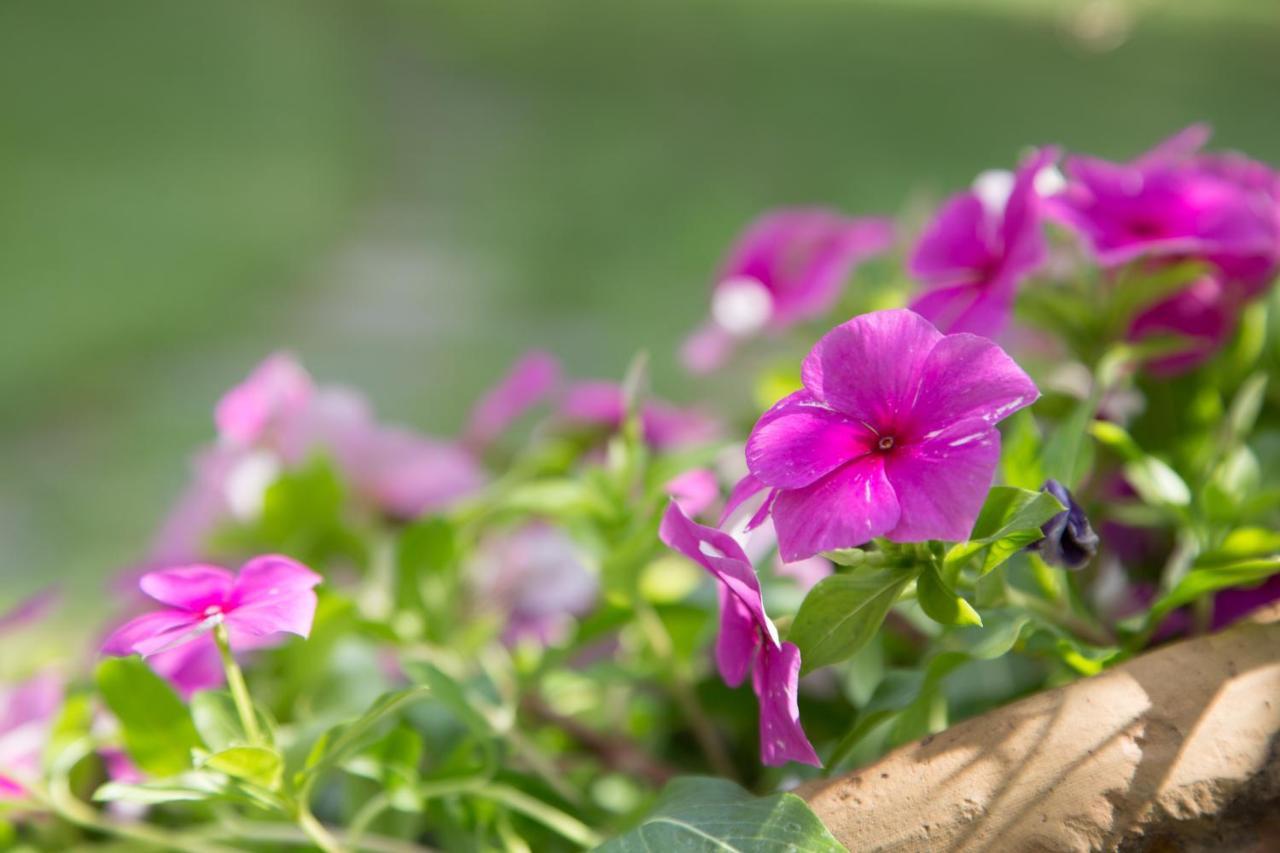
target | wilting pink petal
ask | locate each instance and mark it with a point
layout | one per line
(848, 507)
(275, 388)
(694, 490)
(743, 490)
(776, 682)
(529, 382)
(748, 640)
(897, 426)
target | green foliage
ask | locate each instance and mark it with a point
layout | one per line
(1009, 521)
(843, 612)
(157, 728)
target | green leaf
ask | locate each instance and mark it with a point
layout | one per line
(427, 549)
(1245, 407)
(256, 764)
(158, 733)
(1020, 460)
(1139, 287)
(1010, 520)
(1244, 543)
(941, 603)
(703, 814)
(190, 787)
(448, 691)
(1157, 483)
(842, 613)
(1066, 453)
(342, 741)
(1203, 580)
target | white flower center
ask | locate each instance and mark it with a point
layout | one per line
(993, 188)
(246, 485)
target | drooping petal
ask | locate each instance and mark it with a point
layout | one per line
(738, 639)
(742, 491)
(776, 681)
(719, 554)
(528, 383)
(966, 377)
(846, 508)
(273, 594)
(941, 483)
(275, 387)
(871, 364)
(800, 440)
(152, 632)
(192, 588)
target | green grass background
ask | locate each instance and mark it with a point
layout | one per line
(410, 194)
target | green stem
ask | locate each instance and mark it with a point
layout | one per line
(316, 830)
(1063, 618)
(239, 690)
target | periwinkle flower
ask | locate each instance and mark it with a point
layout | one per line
(788, 266)
(981, 245)
(748, 642)
(1069, 541)
(892, 435)
(270, 595)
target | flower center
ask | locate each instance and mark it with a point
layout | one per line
(885, 442)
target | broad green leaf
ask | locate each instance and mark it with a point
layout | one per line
(1244, 543)
(343, 740)
(1009, 521)
(717, 816)
(1157, 483)
(1201, 581)
(255, 764)
(941, 603)
(1067, 453)
(1020, 458)
(158, 733)
(842, 613)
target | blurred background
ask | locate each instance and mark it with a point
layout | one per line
(408, 195)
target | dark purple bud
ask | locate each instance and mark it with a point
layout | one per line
(1069, 541)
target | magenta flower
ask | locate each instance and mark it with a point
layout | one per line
(892, 435)
(530, 381)
(1171, 204)
(788, 266)
(748, 641)
(664, 426)
(1203, 313)
(979, 247)
(270, 595)
(277, 389)
(27, 712)
(695, 490)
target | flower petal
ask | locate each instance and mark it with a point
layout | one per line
(776, 681)
(956, 241)
(738, 639)
(528, 382)
(277, 386)
(151, 632)
(871, 364)
(800, 440)
(192, 588)
(847, 508)
(273, 594)
(973, 308)
(966, 377)
(941, 484)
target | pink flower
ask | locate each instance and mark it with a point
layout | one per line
(748, 641)
(1173, 203)
(788, 266)
(277, 388)
(665, 427)
(27, 712)
(892, 435)
(271, 595)
(1204, 313)
(530, 381)
(981, 245)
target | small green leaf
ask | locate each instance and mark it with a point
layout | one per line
(941, 603)
(1245, 407)
(1020, 460)
(218, 722)
(1116, 439)
(343, 740)
(1202, 580)
(1157, 483)
(842, 613)
(190, 787)
(158, 733)
(255, 764)
(715, 815)
(1009, 521)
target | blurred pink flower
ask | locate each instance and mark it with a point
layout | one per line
(665, 427)
(276, 389)
(537, 578)
(270, 595)
(1203, 313)
(893, 435)
(27, 712)
(788, 266)
(530, 381)
(981, 245)
(695, 490)
(748, 641)
(30, 610)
